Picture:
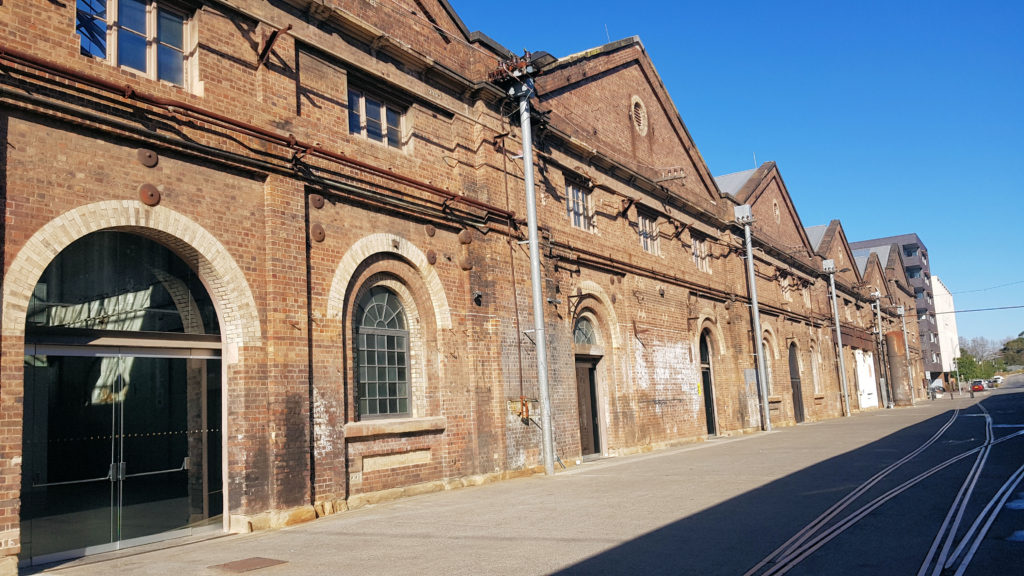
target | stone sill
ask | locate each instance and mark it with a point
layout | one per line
(393, 426)
(774, 399)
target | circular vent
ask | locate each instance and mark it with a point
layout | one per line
(639, 115)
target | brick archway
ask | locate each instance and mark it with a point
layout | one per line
(384, 243)
(218, 271)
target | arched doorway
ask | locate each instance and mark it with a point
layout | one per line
(794, 382)
(588, 355)
(122, 401)
(706, 378)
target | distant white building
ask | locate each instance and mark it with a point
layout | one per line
(949, 340)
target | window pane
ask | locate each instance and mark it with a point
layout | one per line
(403, 406)
(364, 406)
(401, 377)
(403, 389)
(392, 377)
(394, 120)
(354, 119)
(382, 406)
(131, 50)
(169, 29)
(393, 406)
(362, 374)
(91, 26)
(132, 14)
(374, 129)
(170, 65)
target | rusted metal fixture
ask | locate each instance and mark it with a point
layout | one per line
(465, 237)
(465, 262)
(268, 44)
(316, 201)
(146, 157)
(189, 110)
(430, 230)
(431, 257)
(317, 232)
(149, 195)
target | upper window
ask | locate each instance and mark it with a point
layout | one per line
(647, 227)
(909, 251)
(579, 204)
(374, 119)
(701, 254)
(584, 332)
(148, 36)
(382, 355)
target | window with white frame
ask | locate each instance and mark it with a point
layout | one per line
(152, 37)
(701, 253)
(374, 119)
(647, 227)
(579, 205)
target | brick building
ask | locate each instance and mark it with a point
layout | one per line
(262, 261)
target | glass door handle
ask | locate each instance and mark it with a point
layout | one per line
(111, 475)
(184, 466)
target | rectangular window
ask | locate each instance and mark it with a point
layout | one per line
(374, 119)
(579, 204)
(910, 251)
(147, 36)
(701, 254)
(647, 227)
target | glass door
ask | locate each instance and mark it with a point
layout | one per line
(121, 448)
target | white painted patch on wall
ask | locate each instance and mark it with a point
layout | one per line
(321, 436)
(643, 379)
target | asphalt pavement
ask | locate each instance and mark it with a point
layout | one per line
(715, 507)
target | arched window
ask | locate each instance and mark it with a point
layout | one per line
(815, 361)
(382, 355)
(584, 332)
(767, 365)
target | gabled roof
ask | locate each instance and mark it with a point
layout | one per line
(881, 251)
(775, 214)
(815, 235)
(731, 184)
(833, 246)
(575, 79)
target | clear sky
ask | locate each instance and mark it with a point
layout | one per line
(892, 116)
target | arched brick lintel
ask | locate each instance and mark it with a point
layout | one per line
(384, 243)
(223, 278)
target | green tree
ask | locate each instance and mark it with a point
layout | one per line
(1013, 351)
(968, 367)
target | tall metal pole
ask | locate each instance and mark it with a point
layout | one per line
(744, 217)
(830, 269)
(906, 345)
(883, 352)
(524, 89)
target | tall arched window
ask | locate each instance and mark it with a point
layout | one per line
(767, 365)
(382, 355)
(815, 361)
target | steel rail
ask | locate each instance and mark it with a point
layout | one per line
(849, 521)
(793, 544)
(959, 505)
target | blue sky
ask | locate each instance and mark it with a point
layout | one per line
(893, 117)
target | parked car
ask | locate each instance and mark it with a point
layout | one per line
(997, 379)
(936, 390)
(977, 386)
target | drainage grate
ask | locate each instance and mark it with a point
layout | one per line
(249, 564)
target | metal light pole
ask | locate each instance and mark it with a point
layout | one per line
(743, 216)
(523, 89)
(906, 345)
(883, 355)
(829, 267)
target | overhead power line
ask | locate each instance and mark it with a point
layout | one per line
(989, 288)
(980, 310)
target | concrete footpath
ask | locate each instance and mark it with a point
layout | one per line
(722, 498)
